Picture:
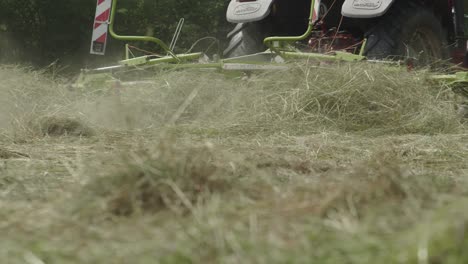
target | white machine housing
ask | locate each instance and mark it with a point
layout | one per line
(365, 8)
(243, 12)
(256, 10)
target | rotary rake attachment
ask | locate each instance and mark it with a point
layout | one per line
(134, 69)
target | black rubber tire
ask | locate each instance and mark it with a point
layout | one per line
(246, 38)
(408, 30)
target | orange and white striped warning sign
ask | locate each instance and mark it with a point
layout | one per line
(316, 11)
(101, 22)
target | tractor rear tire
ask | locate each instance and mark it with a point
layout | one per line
(408, 31)
(246, 39)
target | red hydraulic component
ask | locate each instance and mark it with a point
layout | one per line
(333, 40)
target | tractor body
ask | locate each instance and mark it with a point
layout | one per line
(426, 29)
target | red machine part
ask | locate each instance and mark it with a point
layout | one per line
(325, 41)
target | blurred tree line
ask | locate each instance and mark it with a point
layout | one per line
(44, 31)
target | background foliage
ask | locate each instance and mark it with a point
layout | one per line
(44, 31)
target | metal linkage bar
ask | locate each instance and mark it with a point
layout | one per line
(177, 32)
(150, 60)
(458, 81)
(137, 38)
(274, 42)
(337, 55)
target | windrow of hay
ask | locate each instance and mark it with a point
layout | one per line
(448, 239)
(380, 180)
(33, 104)
(24, 90)
(304, 99)
(360, 97)
(60, 126)
(177, 178)
(347, 97)
(441, 236)
(161, 177)
(356, 191)
(36, 126)
(10, 154)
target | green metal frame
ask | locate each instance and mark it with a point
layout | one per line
(136, 38)
(458, 81)
(148, 60)
(275, 44)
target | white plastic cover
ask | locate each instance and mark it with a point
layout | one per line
(242, 12)
(365, 8)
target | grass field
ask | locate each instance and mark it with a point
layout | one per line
(333, 164)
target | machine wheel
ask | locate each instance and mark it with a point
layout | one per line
(408, 31)
(246, 38)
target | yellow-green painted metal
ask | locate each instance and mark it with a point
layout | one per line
(149, 60)
(127, 51)
(459, 77)
(458, 81)
(180, 58)
(135, 61)
(278, 45)
(270, 41)
(136, 38)
(363, 47)
(337, 55)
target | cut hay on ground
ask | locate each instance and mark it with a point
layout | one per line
(63, 126)
(10, 154)
(349, 163)
(159, 178)
(348, 97)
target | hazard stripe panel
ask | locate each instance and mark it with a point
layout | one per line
(100, 28)
(316, 11)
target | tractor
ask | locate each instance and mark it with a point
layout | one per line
(269, 33)
(419, 30)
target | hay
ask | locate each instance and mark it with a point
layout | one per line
(347, 97)
(34, 105)
(359, 98)
(463, 111)
(381, 179)
(162, 178)
(9, 154)
(217, 208)
(56, 126)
